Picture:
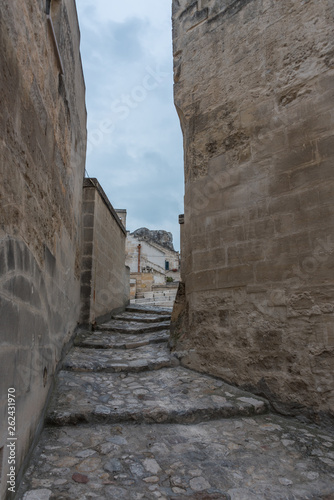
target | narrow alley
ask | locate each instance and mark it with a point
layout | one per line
(128, 422)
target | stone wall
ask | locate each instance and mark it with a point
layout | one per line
(105, 284)
(254, 90)
(42, 156)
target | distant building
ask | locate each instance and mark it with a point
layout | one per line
(151, 258)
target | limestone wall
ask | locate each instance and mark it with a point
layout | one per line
(254, 89)
(42, 155)
(105, 279)
(144, 283)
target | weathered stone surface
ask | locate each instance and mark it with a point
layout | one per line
(253, 89)
(42, 157)
(105, 340)
(169, 395)
(149, 357)
(133, 327)
(261, 458)
(142, 317)
(149, 309)
(42, 494)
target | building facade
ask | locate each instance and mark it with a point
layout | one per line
(254, 87)
(152, 252)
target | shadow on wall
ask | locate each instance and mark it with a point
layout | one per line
(35, 317)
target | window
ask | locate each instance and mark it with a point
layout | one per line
(166, 265)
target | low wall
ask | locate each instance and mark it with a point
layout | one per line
(105, 286)
(144, 283)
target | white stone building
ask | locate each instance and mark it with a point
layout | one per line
(153, 252)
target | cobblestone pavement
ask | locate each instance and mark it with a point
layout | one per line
(103, 340)
(155, 432)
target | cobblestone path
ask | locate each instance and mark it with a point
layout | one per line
(127, 422)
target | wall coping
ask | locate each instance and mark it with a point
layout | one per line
(90, 182)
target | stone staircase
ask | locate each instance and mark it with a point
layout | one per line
(127, 421)
(158, 298)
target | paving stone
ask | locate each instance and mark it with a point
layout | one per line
(133, 327)
(227, 459)
(38, 495)
(104, 340)
(230, 449)
(177, 395)
(151, 357)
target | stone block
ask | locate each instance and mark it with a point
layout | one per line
(86, 278)
(260, 230)
(293, 244)
(293, 159)
(9, 318)
(87, 249)
(10, 255)
(88, 235)
(89, 194)
(88, 220)
(87, 263)
(279, 184)
(276, 270)
(213, 259)
(288, 203)
(235, 276)
(50, 261)
(326, 147)
(201, 281)
(311, 174)
(284, 224)
(3, 263)
(88, 207)
(244, 253)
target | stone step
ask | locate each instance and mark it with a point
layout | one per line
(149, 309)
(154, 301)
(160, 293)
(104, 340)
(266, 457)
(129, 327)
(151, 357)
(142, 317)
(164, 396)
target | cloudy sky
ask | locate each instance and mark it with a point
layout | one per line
(135, 141)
